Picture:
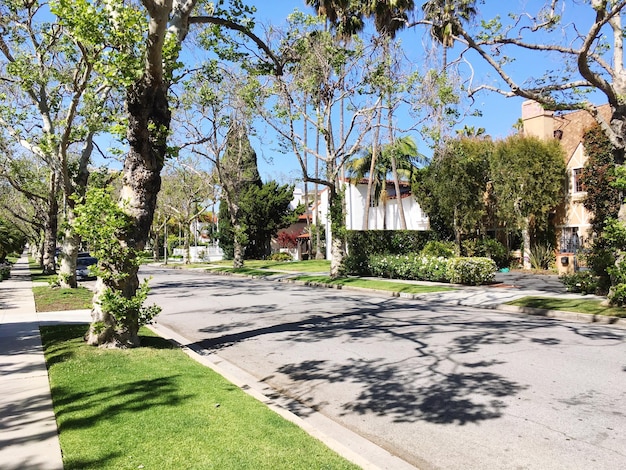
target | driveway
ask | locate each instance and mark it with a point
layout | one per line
(440, 385)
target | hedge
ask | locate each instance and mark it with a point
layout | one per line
(462, 270)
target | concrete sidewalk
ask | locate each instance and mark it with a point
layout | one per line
(28, 430)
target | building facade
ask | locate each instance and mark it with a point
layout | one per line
(572, 220)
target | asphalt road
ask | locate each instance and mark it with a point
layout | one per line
(441, 386)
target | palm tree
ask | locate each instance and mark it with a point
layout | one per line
(445, 16)
(405, 155)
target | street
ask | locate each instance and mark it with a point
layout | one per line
(440, 386)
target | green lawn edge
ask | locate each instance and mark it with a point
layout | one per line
(154, 407)
(374, 284)
(54, 299)
(586, 306)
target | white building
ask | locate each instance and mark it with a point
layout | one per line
(383, 214)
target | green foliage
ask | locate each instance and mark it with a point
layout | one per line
(103, 225)
(128, 310)
(452, 188)
(528, 177)
(280, 257)
(263, 211)
(439, 249)
(410, 266)
(363, 244)
(489, 248)
(584, 282)
(470, 271)
(598, 178)
(5, 271)
(541, 256)
(11, 239)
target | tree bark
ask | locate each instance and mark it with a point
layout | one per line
(50, 226)
(337, 232)
(148, 124)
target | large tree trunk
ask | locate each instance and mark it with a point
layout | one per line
(71, 240)
(51, 226)
(337, 233)
(148, 125)
(68, 255)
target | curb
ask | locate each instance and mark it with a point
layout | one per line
(537, 312)
(348, 444)
(564, 315)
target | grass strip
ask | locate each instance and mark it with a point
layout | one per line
(244, 270)
(154, 407)
(54, 299)
(309, 266)
(35, 272)
(391, 286)
(588, 306)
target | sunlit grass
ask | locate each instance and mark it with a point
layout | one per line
(53, 299)
(244, 270)
(588, 306)
(309, 266)
(36, 274)
(391, 286)
(155, 408)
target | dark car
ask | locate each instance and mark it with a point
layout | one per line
(82, 268)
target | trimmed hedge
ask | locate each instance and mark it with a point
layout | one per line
(365, 243)
(470, 271)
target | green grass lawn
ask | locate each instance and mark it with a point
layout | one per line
(155, 408)
(374, 284)
(53, 299)
(589, 306)
(310, 266)
(244, 270)
(35, 272)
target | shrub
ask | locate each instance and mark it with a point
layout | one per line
(287, 239)
(471, 271)
(5, 271)
(487, 247)
(541, 256)
(584, 282)
(280, 257)
(377, 242)
(440, 249)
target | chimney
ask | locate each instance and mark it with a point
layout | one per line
(537, 121)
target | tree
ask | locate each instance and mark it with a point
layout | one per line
(143, 57)
(444, 16)
(333, 77)
(452, 188)
(403, 151)
(529, 180)
(50, 96)
(238, 174)
(186, 193)
(263, 211)
(598, 177)
(11, 239)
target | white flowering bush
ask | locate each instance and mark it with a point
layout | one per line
(472, 271)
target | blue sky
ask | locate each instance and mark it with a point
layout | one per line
(499, 113)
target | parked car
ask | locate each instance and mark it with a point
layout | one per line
(82, 268)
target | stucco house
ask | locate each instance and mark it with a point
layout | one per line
(571, 219)
(383, 213)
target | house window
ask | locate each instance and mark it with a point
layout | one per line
(570, 241)
(578, 184)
